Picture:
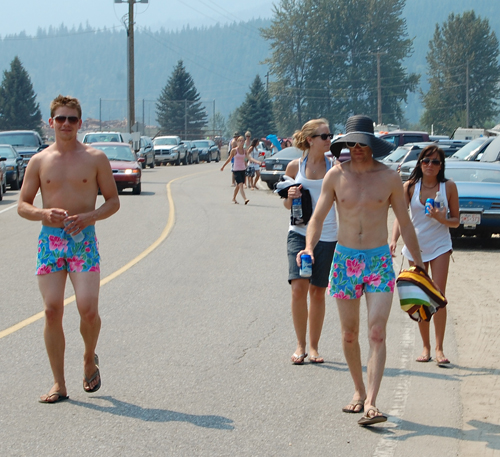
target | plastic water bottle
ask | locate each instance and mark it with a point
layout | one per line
(78, 238)
(297, 210)
(439, 201)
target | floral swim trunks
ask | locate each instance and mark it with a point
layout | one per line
(356, 270)
(57, 251)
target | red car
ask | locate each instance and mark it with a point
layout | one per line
(126, 169)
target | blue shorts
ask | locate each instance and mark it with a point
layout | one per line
(356, 270)
(57, 251)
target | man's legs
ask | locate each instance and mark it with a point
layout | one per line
(316, 317)
(379, 308)
(349, 321)
(86, 287)
(52, 289)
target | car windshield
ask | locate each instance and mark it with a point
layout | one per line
(7, 153)
(118, 153)
(471, 174)
(201, 144)
(19, 139)
(101, 138)
(397, 155)
(165, 142)
(468, 149)
(288, 153)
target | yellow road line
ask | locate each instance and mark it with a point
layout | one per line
(163, 236)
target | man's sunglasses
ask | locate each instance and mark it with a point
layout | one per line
(351, 144)
(324, 136)
(62, 119)
(433, 161)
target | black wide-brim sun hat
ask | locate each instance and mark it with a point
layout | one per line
(359, 129)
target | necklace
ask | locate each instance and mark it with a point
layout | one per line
(427, 187)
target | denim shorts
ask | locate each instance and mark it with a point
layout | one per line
(323, 255)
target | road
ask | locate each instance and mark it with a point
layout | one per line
(197, 336)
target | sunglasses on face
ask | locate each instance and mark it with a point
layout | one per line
(432, 161)
(351, 144)
(62, 119)
(324, 136)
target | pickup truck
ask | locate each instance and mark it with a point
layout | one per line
(26, 142)
(170, 149)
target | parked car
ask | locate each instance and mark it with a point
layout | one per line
(193, 152)
(208, 150)
(274, 167)
(146, 152)
(26, 142)
(473, 150)
(105, 137)
(401, 137)
(170, 149)
(492, 152)
(478, 185)
(3, 178)
(126, 169)
(14, 165)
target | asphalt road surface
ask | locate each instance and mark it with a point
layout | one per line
(196, 342)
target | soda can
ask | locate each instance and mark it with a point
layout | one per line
(306, 266)
(429, 204)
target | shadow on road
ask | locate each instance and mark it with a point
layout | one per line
(121, 408)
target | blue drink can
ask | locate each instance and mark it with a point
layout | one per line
(429, 204)
(306, 266)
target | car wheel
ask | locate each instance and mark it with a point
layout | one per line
(178, 161)
(198, 158)
(209, 157)
(152, 164)
(15, 185)
(270, 185)
(218, 156)
(1, 193)
(143, 165)
(137, 189)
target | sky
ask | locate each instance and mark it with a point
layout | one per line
(29, 15)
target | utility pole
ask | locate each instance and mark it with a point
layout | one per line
(467, 93)
(130, 61)
(379, 92)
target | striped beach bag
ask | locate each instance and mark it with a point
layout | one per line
(418, 294)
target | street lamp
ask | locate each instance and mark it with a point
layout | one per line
(130, 61)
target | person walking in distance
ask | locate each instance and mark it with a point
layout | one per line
(314, 139)
(433, 232)
(363, 189)
(69, 175)
(253, 152)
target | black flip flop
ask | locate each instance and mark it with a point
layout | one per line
(97, 373)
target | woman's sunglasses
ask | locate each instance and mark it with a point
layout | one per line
(433, 161)
(351, 144)
(324, 136)
(62, 119)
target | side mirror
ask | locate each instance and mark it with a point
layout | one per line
(3, 159)
(42, 147)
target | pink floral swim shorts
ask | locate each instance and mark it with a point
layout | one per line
(57, 251)
(354, 271)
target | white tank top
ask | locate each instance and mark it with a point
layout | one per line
(329, 232)
(433, 237)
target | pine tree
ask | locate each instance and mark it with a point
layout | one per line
(18, 107)
(180, 99)
(256, 112)
(463, 55)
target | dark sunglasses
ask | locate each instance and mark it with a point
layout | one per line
(62, 119)
(433, 161)
(351, 144)
(324, 136)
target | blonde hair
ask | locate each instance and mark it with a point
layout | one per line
(248, 134)
(308, 130)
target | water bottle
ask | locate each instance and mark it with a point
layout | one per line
(439, 201)
(297, 211)
(76, 238)
(305, 266)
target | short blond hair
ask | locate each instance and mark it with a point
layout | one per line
(65, 100)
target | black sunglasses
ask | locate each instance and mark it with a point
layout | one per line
(62, 119)
(433, 161)
(324, 136)
(351, 144)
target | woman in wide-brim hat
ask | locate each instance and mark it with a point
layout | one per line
(359, 129)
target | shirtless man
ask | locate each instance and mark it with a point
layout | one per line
(363, 190)
(69, 175)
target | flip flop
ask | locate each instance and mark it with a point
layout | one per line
(316, 359)
(442, 361)
(57, 400)
(97, 373)
(352, 410)
(424, 359)
(298, 359)
(370, 420)
(246, 201)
